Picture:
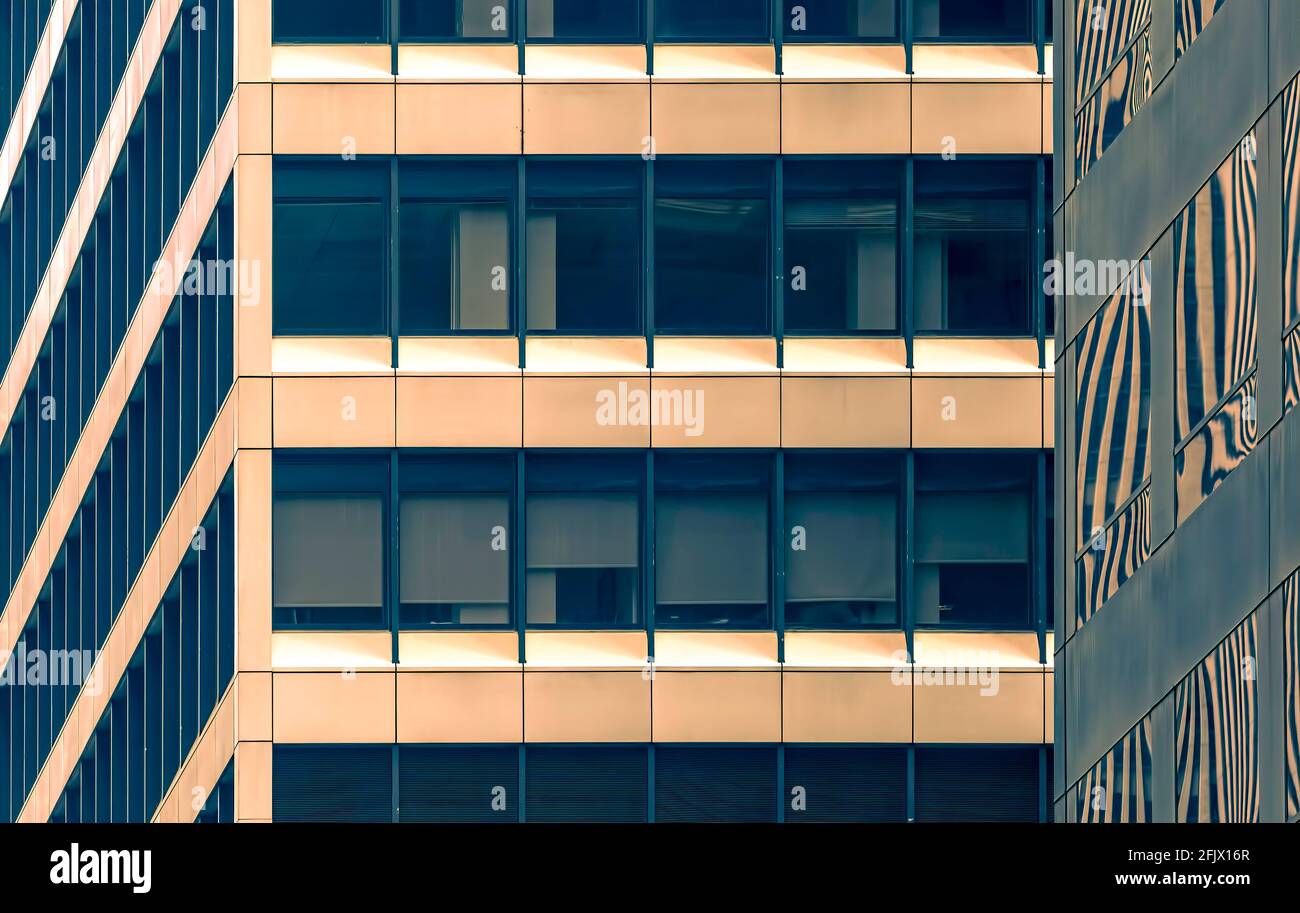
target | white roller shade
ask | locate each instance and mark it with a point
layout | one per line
(447, 548)
(711, 548)
(972, 526)
(849, 546)
(582, 530)
(328, 551)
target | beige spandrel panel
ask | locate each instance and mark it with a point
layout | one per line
(253, 493)
(715, 411)
(730, 706)
(1049, 707)
(845, 412)
(333, 411)
(977, 411)
(715, 118)
(459, 119)
(843, 706)
(460, 707)
(1005, 707)
(253, 219)
(333, 119)
(845, 118)
(587, 411)
(1049, 411)
(355, 706)
(589, 119)
(586, 706)
(973, 118)
(459, 411)
(331, 63)
(253, 781)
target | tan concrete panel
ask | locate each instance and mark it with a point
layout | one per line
(253, 707)
(254, 412)
(845, 412)
(700, 118)
(331, 62)
(331, 649)
(716, 411)
(1049, 707)
(459, 411)
(253, 246)
(599, 119)
(254, 119)
(253, 534)
(334, 411)
(585, 354)
(470, 119)
(253, 781)
(1049, 411)
(458, 62)
(1010, 711)
(847, 706)
(357, 355)
(253, 47)
(459, 707)
(977, 411)
(586, 706)
(587, 412)
(830, 118)
(1047, 116)
(334, 706)
(333, 119)
(977, 118)
(717, 706)
(585, 62)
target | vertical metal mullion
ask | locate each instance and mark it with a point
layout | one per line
(1044, 800)
(394, 261)
(520, 812)
(778, 553)
(780, 784)
(519, 23)
(906, 31)
(517, 543)
(778, 259)
(650, 37)
(778, 32)
(648, 252)
(911, 783)
(1037, 256)
(394, 30)
(1039, 26)
(907, 594)
(396, 786)
(519, 253)
(393, 506)
(648, 559)
(650, 783)
(1040, 594)
(906, 243)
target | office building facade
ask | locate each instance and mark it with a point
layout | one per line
(1176, 623)
(553, 411)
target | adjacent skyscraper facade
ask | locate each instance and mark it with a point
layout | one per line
(1177, 197)
(634, 410)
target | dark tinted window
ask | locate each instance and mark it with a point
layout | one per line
(693, 20)
(456, 20)
(330, 242)
(585, 20)
(840, 20)
(332, 21)
(964, 20)
(712, 222)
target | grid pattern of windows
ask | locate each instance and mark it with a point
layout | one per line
(563, 534)
(662, 783)
(821, 257)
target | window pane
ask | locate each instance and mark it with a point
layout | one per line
(454, 267)
(691, 20)
(841, 518)
(962, 20)
(454, 558)
(329, 238)
(585, 20)
(330, 20)
(328, 558)
(972, 541)
(450, 20)
(841, 240)
(584, 248)
(711, 543)
(832, 20)
(972, 248)
(711, 248)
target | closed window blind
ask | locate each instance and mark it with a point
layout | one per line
(849, 546)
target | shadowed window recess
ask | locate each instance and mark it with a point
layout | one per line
(455, 542)
(972, 247)
(594, 21)
(965, 20)
(584, 247)
(841, 518)
(314, 22)
(435, 21)
(973, 541)
(330, 240)
(711, 540)
(712, 231)
(840, 20)
(841, 246)
(328, 543)
(455, 253)
(745, 21)
(583, 540)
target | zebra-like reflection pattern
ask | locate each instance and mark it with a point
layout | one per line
(1216, 730)
(1215, 289)
(1216, 449)
(1113, 106)
(1118, 787)
(1124, 547)
(1291, 202)
(1291, 674)
(1102, 32)
(1290, 371)
(1190, 19)
(1112, 423)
